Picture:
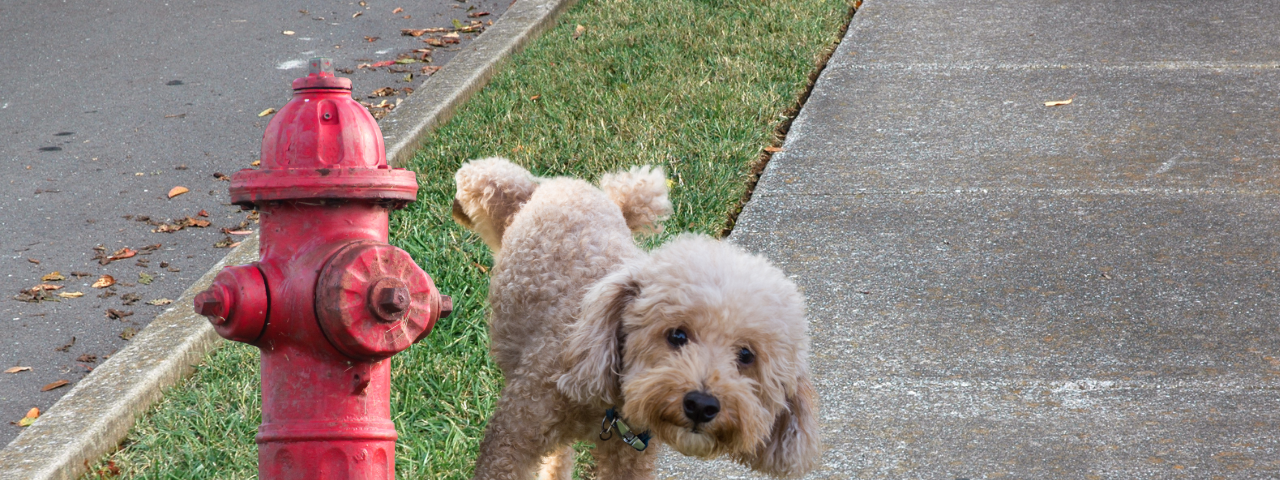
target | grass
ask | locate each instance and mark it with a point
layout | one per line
(699, 87)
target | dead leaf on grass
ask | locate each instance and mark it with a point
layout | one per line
(578, 31)
(57, 384)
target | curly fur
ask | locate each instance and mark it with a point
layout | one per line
(581, 318)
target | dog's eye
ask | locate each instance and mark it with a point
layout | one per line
(677, 338)
(745, 356)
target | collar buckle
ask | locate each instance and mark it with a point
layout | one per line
(612, 421)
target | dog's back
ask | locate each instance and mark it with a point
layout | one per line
(551, 239)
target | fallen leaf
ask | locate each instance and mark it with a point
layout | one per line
(31, 417)
(104, 282)
(71, 294)
(87, 358)
(224, 243)
(175, 191)
(578, 31)
(772, 149)
(1057, 103)
(458, 24)
(152, 247)
(32, 260)
(120, 254)
(46, 286)
(405, 61)
(288, 32)
(128, 333)
(221, 176)
(195, 222)
(255, 163)
(451, 37)
(53, 277)
(130, 298)
(117, 314)
(535, 97)
(670, 184)
(51, 386)
(237, 232)
(383, 92)
(397, 10)
(81, 274)
(357, 14)
(202, 213)
(413, 32)
(371, 39)
(17, 369)
(144, 278)
(266, 112)
(160, 302)
(478, 14)
(67, 346)
(430, 69)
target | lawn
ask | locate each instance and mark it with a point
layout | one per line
(700, 87)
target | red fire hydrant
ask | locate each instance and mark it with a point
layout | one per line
(330, 301)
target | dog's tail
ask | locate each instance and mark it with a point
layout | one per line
(490, 192)
(641, 193)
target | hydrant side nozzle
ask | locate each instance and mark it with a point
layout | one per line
(446, 306)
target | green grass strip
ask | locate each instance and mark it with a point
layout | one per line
(696, 86)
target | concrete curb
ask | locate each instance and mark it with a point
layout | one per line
(440, 95)
(91, 419)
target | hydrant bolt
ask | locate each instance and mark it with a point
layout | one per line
(209, 305)
(392, 300)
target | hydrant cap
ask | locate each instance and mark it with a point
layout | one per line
(320, 75)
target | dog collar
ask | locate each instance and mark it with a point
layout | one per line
(614, 421)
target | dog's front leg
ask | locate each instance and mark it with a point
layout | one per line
(616, 460)
(516, 439)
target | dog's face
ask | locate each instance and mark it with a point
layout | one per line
(713, 355)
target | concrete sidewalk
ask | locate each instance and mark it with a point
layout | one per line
(1004, 289)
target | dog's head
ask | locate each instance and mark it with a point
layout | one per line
(704, 345)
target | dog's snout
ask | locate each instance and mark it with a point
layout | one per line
(700, 407)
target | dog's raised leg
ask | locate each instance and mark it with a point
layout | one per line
(615, 460)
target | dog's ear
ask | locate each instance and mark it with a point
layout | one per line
(793, 448)
(592, 352)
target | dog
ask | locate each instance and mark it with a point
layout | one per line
(698, 344)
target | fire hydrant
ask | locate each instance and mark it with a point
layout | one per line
(330, 301)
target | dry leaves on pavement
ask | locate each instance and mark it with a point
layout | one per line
(57, 384)
(179, 190)
(17, 369)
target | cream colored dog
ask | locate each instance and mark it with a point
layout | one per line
(698, 343)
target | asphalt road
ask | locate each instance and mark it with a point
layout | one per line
(106, 106)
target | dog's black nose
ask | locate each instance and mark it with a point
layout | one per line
(700, 407)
